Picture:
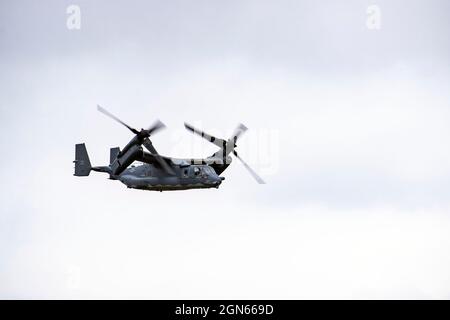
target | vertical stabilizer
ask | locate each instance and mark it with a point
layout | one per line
(113, 153)
(82, 163)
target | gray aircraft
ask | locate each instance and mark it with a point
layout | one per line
(158, 172)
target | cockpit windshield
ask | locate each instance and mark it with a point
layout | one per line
(207, 170)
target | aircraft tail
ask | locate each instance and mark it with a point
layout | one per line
(113, 153)
(82, 164)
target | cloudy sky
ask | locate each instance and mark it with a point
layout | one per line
(347, 105)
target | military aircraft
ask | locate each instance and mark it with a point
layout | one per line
(158, 172)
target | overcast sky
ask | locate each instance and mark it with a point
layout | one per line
(349, 126)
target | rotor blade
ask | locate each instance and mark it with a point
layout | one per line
(240, 130)
(166, 167)
(149, 146)
(104, 111)
(218, 142)
(253, 173)
(155, 127)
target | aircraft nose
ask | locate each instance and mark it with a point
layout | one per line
(217, 181)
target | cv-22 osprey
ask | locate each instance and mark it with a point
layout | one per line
(158, 172)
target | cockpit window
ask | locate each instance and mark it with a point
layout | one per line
(210, 170)
(203, 170)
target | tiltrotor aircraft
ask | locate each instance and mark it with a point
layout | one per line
(161, 173)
